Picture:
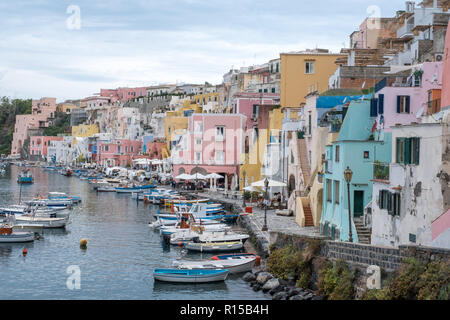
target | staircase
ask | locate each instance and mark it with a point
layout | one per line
(364, 233)
(304, 162)
(309, 222)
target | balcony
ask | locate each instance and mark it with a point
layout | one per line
(381, 171)
(433, 106)
(405, 31)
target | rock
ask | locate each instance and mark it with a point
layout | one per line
(308, 296)
(248, 277)
(296, 297)
(279, 296)
(276, 290)
(256, 287)
(294, 291)
(318, 298)
(263, 277)
(271, 284)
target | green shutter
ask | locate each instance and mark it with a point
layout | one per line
(408, 150)
(380, 199)
(416, 150)
(389, 203)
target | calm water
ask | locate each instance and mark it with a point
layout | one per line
(122, 250)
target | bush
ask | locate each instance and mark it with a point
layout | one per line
(336, 281)
(247, 195)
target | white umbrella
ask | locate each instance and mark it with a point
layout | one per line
(198, 176)
(214, 176)
(272, 183)
(226, 183)
(183, 176)
(251, 189)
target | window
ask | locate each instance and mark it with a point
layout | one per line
(309, 67)
(336, 155)
(198, 126)
(329, 190)
(198, 141)
(336, 192)
(383, 199)
(277, 68)
(198, 157)
(393, 204)
(366, 154)
(132, 149)
(309, 124)
(408, 150)
(220, 133)
(219, 156)
(273, 90)
(373, 107)
(381, 103)
(403, 104)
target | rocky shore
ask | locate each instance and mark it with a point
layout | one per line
(279, 289)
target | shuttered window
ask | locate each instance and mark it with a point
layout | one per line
(408, 150)
(373, 107)
(381, 104)
(403, 104)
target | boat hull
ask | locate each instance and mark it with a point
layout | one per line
(17, 237)
(189, 276)
(233, 266)
(214, 247)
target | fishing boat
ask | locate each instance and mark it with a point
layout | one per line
(25, 176)
(188, 235)
(214, 246)
(31, 219)
(58, 212)
(63, 196)
(50, 203)
(190, 275)
(8, 235)
(237, 265)
(131, 189)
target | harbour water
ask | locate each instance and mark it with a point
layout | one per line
(121, 253)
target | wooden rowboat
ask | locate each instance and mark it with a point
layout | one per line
(190, 275)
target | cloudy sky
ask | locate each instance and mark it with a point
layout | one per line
(71, 49)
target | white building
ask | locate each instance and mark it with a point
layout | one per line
(61, 152)
(411, 205)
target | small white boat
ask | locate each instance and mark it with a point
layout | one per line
(8, 235)
(242, 264)
(187, 235)
(44, 221)
(214, 247)
(190, 275)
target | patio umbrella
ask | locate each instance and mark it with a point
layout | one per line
(214, 176)
(198, 176)
(272, 183)
(252, 189)
(184, 176)
(226, 183)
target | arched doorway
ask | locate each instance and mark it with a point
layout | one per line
(181, 171)
(199, 170)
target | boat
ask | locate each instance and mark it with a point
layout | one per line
(63, 196)
(45, 211)
(190, 275)
(30, 219)
(67, 172)
(8, 235)
(214, 246)
(188, 235)
(131, 189)
(25, 176)
(237, 265)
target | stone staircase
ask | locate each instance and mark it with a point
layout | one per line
(304, 161)
(364, 233)
(309, 222)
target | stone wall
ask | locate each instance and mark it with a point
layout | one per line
(361, 255)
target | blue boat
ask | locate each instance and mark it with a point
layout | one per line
(25, 177)
(134, 189)
(190, 275)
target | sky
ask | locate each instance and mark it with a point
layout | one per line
(71, 49)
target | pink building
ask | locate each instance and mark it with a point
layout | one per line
(39, 144)
(118, 152)
(41, 111)
(247, 104)
(446, 73)
(213, 144)
(123, 94)
(409, 98)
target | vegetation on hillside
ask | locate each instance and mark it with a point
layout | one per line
(61, 124)
(9, 108)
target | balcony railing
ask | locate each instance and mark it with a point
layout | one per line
(381, 171)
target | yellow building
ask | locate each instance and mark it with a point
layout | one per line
(305, 72)
(84, 131)
(268, 132)
(66, 107)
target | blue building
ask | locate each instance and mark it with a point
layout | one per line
(358, 147)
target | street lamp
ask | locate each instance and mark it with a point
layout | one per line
(266, 185)
(243, 190)
(348, 173)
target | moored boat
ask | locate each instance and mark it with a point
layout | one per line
(190, 275)
(214, 246)
(8, 235)
(25, 176)
(243, 264)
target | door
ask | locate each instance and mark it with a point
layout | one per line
(358, 203)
